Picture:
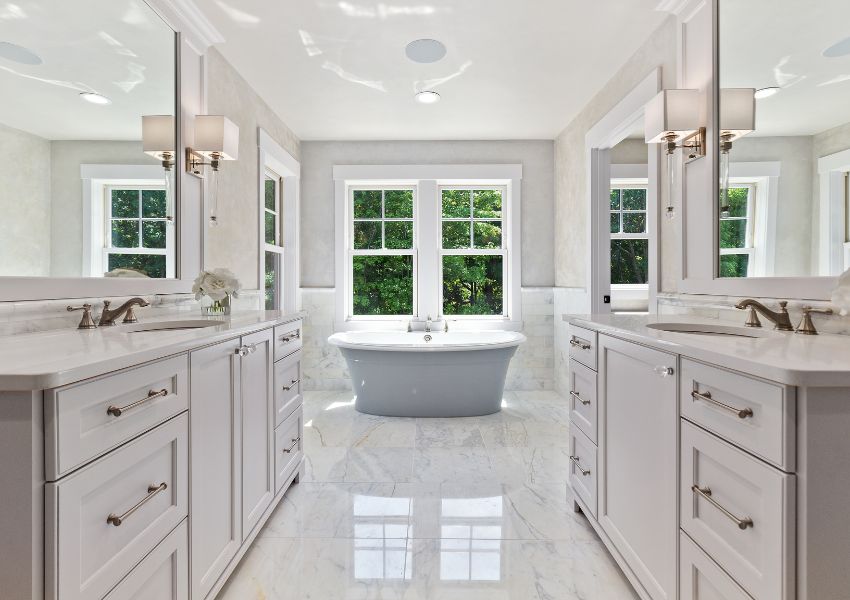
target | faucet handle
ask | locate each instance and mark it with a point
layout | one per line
(86, 322)
(130, 316)
(807, 326)
(752, 318)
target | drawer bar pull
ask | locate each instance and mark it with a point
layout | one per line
(742, 413)
(295, 382)
(153, 490)
(584, 472)
(705, 493)
(579, 398)
(292, 447)
(117, 411)
(290, 336)
(579, 343)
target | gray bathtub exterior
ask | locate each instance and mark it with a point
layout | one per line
(466, 383)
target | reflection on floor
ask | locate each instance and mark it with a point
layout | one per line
(428, 509)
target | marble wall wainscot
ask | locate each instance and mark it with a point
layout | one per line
(532, 368)
(48, 315)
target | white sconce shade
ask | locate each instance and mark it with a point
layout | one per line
(737, 112)
(672, 112)
(158, 136)
(216, 137)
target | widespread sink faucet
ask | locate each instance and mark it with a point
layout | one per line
(781, 319)
(107, 317)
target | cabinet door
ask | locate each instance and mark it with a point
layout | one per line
(216, 478)
(257, 421)
(637, 467)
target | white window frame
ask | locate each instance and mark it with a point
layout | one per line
(272, 158)
(277, 247)
(428, 180)
(108, 248)
(96, 180)
(749, 248)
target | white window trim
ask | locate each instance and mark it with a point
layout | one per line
(427, 214)
(96, 179)
(833, 250)
(763, 213)
(635, 176)
(272, 157)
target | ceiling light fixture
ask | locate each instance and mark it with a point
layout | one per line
(427, 97)
(425, 51)
(95, 98)
(19, 54)
(767, 92)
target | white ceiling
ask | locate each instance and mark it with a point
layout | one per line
(763, 44)
(118, 48)
(515, 68)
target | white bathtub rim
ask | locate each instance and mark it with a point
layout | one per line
(349, 340)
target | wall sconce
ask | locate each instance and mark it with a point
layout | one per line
(158, 141)
(737, 119)
(672, 119)
(216, 139)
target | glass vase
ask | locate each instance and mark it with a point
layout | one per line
(216, 308)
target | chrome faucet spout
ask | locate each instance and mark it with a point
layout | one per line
(780, 319)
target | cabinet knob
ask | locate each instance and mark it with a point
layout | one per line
(663, 371)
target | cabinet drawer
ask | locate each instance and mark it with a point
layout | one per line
(287, 387)
(583, 404)
(84, 420)
(583, 346)
(105, 518)
(701, 579)
(744, 515)
(756, 415)
(162, 575)
(583, 468)
(287, 339)
(288, 447)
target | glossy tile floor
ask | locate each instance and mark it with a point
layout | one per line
(416, 509)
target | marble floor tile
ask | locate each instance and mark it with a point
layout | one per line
(448, 433)
(462, 463)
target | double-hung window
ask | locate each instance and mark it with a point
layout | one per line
(272, 221)
(137, 236)
(473, 252)
(382, 257)
(629, 238)
(737, 247)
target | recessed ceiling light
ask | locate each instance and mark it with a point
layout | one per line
(838, 49)
(95, 98)
(767, 92)
(425, 51)
(428, 97)
(19, 54)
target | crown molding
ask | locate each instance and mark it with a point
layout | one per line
(185, 16)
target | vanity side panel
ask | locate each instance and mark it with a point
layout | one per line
(823, 473)
(22, 496)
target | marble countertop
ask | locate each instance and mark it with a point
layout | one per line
(37, 361)
(785, 357)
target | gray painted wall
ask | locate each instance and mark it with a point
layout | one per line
(317, 195)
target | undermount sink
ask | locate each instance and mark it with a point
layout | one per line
(710, 329)
(170, 325)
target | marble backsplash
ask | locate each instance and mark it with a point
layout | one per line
(46, 315)
(532, 368)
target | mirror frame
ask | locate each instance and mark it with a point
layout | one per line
(193, 35)
(699, 65)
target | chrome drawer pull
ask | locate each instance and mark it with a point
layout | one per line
(153, 490)
(246, 350)
(292, 447)
(584, 472)
(117, 411)
(295, 382)
(706, 494)
(579, 343)
(742, 413)
(292, 336)
(579, 398)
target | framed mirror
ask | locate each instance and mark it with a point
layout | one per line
(80, 197)
(783, 140)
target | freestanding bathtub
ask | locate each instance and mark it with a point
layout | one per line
(418, 374)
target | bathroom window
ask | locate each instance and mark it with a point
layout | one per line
(472, 251)
(136, 237)
(382, 260)
(629, 239)
(737, 248)
(272, 237)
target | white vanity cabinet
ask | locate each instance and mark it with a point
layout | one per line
(149, 480)
(712, 483)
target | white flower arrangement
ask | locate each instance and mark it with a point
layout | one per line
(841, 294)
(216, 284)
